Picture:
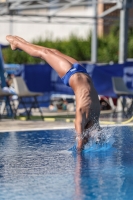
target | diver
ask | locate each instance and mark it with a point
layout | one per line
(74, 75)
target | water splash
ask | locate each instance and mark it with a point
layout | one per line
(100, 139)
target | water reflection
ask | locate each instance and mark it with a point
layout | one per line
(37, 165)
(101, 175)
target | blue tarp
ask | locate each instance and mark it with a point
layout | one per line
(15, 69)
(42, 78)
(3, 46)
(102, 75)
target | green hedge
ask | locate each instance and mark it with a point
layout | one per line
(76, 47)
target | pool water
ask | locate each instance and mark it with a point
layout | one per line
(42, 165)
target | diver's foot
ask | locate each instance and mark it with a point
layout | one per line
(21, 39)
(13, 41)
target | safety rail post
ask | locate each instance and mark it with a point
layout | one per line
(2, 77)
(3, 83)
(123, 31)
(94, 35)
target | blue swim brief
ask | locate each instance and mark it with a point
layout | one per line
(76, 68)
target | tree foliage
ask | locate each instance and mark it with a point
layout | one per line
(76, 47)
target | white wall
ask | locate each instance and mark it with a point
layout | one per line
(31, 31)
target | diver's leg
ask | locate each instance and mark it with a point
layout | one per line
(70, 59)
(58, 63)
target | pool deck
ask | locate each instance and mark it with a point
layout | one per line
(18, 125)
(50, 122)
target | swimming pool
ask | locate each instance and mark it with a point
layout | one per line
(37, 165)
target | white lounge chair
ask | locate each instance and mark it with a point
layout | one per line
(121, 90)
(22, 91)
(5, 104)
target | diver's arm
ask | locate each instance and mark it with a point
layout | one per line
(79, 131)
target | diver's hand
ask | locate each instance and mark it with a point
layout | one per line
(81, 141)
(79, 145)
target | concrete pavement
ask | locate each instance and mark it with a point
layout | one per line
(7, 125)
(51, 121)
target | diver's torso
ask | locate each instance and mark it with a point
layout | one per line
(86, 96)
